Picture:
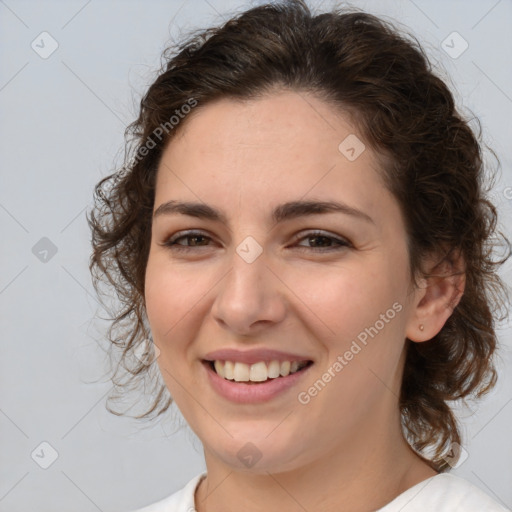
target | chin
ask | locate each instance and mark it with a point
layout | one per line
(249, 454)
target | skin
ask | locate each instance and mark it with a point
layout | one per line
(343, 450)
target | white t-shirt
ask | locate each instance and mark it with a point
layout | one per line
(441, 493)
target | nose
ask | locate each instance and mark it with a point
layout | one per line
(250, 298)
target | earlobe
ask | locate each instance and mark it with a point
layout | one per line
(435, 300)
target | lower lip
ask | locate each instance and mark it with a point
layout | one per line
(243, 393)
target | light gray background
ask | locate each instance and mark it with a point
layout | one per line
(62, 122)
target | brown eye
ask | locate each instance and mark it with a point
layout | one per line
(323, 242)
(194, 239)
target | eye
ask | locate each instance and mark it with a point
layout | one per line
(195, 239)
(323, 242)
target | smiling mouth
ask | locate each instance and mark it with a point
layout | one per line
(256, 373)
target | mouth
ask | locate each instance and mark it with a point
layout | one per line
(256, 373)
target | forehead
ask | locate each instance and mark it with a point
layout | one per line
(283, 146)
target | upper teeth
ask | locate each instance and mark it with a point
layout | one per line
(257, 372)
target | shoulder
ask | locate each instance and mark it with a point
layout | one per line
(180, 501)
(444, 493)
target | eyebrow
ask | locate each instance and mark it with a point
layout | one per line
(283, 212)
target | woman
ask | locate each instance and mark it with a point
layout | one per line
(303, 233)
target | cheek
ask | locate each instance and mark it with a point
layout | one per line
(361, 330)
(170, 297)
(160, 296)
(171, 301)
(358, 315)
(346, 300)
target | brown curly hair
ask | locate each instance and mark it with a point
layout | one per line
(433, 165)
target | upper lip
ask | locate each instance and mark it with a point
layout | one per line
(253, 356)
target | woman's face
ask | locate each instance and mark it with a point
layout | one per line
(261, 277)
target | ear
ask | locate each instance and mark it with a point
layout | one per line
(436, 297)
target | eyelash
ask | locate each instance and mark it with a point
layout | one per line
(341, 243)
